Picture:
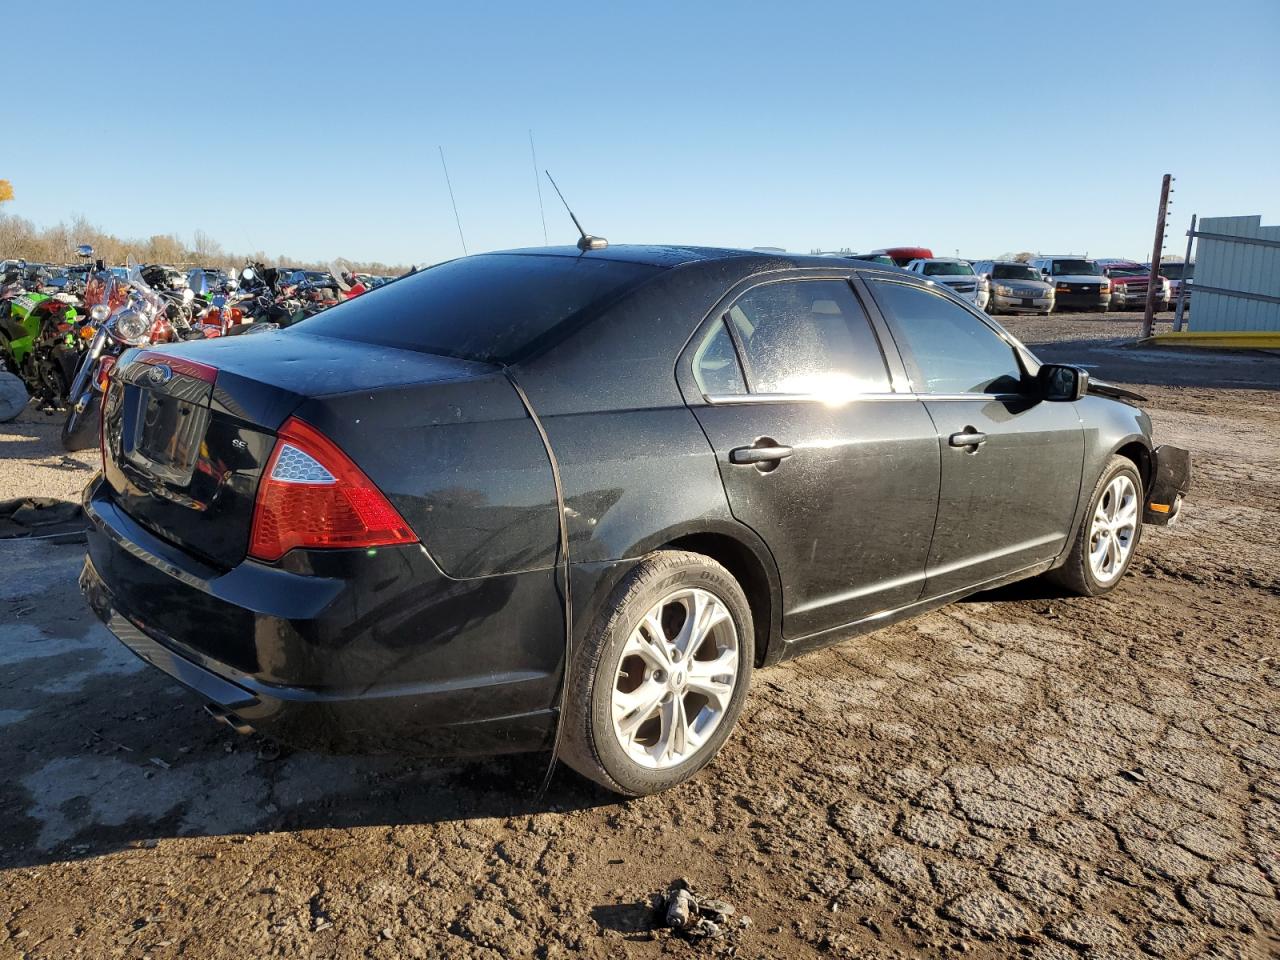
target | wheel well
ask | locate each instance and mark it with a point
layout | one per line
(746, 569)
(1142, 460)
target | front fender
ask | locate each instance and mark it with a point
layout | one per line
(1109, 428)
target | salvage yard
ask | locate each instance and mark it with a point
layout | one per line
(1020, 774)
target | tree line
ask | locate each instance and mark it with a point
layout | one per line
(20, 239)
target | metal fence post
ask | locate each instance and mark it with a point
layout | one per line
(1149, 315)
(1182, 284)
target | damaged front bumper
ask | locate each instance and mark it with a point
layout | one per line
(1170, 483)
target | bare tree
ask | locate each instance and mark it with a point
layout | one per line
(22, 239)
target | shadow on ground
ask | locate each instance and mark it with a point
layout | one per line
(1122, 361)
(102, 752)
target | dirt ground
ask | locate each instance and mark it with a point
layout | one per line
(1021, 774)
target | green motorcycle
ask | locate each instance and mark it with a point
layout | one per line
(42, 337)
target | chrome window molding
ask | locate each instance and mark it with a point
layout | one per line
(726, 399)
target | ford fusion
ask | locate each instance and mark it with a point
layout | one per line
(575, 498)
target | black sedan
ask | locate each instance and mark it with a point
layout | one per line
(554, 497)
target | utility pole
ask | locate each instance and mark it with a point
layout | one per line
(1149, 315)
(1182, 284)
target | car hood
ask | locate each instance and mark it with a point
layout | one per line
(1079, 278)
(1035, 287)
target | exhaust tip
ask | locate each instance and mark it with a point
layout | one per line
(222, 715)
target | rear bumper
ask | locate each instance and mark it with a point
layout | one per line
(345, 651)
(1170, 483)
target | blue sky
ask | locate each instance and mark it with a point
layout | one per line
(311, 129)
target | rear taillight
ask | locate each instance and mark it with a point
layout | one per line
(313, 496)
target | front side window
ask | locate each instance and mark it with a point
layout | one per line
(949, 349)
(808, 337)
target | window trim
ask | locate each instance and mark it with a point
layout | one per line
(908, 358)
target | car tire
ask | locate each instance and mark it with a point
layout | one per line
(592, 742)
(1081, 573)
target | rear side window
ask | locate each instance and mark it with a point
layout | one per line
(807, 337)
(948, 348)
(495, 307)
(716, 366)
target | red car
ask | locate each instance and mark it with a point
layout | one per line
(1129, 283)
(904, 255)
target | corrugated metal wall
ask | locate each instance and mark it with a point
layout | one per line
(1245, 267)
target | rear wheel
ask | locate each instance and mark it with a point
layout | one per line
(657, 686)
(1109, 534)
(80, 429)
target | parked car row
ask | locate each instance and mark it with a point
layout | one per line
(1045, 284)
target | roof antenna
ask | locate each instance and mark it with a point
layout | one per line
(586, 241)
(537, 182)
(449, 184)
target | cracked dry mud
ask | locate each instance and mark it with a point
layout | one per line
(1022, 774)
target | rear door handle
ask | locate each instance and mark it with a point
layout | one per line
(770, 454)
(970, 438)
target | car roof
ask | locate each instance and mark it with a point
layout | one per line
(671, 255)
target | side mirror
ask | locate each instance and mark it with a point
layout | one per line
(1062, 383)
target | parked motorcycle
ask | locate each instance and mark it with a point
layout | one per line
(132, 314)
(44, 330)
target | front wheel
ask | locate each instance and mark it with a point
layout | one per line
(80, 429)
(1108, 535)
(657, 686)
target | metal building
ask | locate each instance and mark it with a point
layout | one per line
(1237, 280)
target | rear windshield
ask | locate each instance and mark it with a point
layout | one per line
(1075, 268)
(495, 307)
(1014, 271)
(1177, 271)
(944, 269)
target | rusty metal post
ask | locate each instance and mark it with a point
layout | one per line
(1149, 315)
(1182, 286)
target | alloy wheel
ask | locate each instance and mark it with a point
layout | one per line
(675, 678)
(1112, 532)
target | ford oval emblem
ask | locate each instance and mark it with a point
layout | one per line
(159, 373)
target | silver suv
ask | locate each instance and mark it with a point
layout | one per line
(1015, 287)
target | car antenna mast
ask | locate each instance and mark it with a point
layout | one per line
(585, 241)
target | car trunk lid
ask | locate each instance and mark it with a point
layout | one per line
(188, 430)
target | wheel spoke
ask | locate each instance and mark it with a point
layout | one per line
(631, 710)
(648, 640)
(704, 612)
(673, 740)
(706, 678)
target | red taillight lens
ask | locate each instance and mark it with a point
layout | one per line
(312, 495)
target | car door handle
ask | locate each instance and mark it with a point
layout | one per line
(970, 438)
(763, 454)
